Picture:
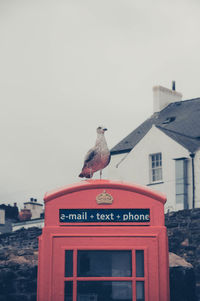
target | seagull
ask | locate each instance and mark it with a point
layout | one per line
(97, 157)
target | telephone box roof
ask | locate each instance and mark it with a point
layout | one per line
(105, 184)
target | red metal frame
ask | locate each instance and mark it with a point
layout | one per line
(56, 238)
(132, 278)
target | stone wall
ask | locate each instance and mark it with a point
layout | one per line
(184, 238)
(18, 265)
(19, 253)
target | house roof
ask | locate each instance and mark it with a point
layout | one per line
(179, 120)
(33, 203)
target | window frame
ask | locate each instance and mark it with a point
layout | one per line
(158, 167)
(133, 278)
(181, 182)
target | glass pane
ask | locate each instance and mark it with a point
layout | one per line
(153, 175)
(179, 169)
(68, 263)
(139, 263)
(180, 199)
(140, 291)
(104, 264)
(179, 188)
(156, 174)
(181, 182)
(104, 290)
(68, 291)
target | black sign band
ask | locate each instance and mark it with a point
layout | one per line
(104, 215)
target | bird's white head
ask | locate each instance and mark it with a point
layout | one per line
(101, 130)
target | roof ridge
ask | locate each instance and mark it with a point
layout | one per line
(177, 102)
(189, 99)
(177, 129)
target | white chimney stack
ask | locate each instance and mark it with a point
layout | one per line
(162, 97)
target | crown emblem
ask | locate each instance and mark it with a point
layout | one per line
(104, 198)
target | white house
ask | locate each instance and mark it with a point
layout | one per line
(164, 151)
(35, 208)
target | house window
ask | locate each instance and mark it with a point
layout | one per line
(156, 167)
(181, 182)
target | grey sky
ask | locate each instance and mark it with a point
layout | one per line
(68, 66)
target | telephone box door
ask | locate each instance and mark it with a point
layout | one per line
(105, 269)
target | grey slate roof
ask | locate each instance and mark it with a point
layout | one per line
(179, 120)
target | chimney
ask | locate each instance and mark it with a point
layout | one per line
(173, 85)
(162, 97)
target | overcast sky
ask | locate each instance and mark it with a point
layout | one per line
(68, 66)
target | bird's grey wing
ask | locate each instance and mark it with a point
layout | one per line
(90, 155)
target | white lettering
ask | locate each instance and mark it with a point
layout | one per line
(112, 216)
(62, 217)
(136, 217)
(98, 216)
(129, 215)
(125, 217)
(72, 216)
(79, 216)
(142, 217)
(105, 217)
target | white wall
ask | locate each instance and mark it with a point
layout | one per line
(135, 166)
(28, 224)
(35, 208)
(112, 171)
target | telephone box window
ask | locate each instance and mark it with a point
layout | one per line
(68, 263)
(139, 263)
(104, 291)
(68, 291)
(139, 291)
(96, 263)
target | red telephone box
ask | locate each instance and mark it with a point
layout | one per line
(103, 241)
